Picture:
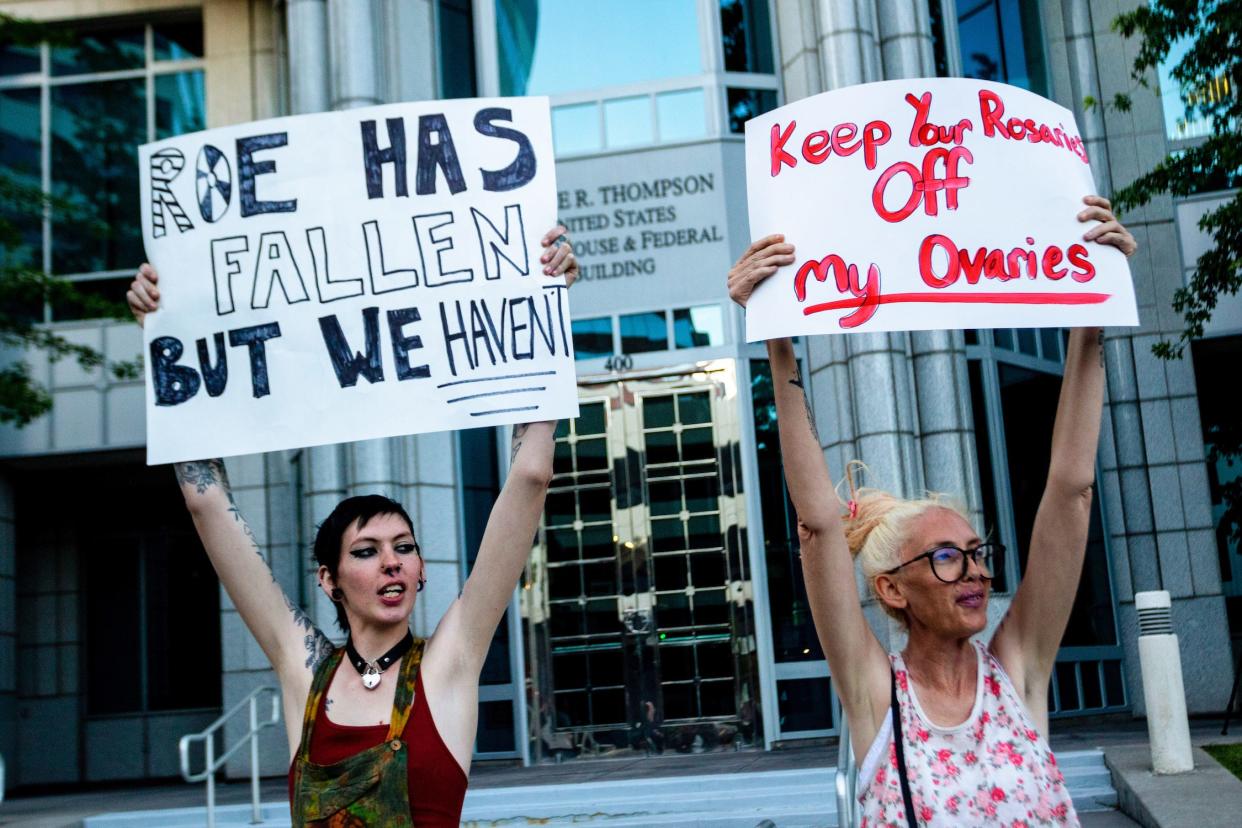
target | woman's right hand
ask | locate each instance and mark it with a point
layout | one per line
(763, 258)
(143, 296)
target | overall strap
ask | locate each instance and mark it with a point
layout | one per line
(319, 686)
(899, 745)
(401, 702)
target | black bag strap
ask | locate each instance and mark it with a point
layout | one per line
(899, 743)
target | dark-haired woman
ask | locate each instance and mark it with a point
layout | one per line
(380, 731)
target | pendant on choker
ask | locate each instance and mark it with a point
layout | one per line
(371, 677)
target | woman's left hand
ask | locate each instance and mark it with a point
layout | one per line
(558, 255)
(1110, 231)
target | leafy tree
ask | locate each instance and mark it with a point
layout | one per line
(1209, 74)
(24, 286)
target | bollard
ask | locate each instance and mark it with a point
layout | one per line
(1167, 726)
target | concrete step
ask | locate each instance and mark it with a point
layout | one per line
(801, 798)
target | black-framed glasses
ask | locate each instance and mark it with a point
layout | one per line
(950, 564)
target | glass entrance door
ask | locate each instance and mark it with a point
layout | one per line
(638, 596)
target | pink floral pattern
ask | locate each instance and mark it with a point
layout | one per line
(993, 769)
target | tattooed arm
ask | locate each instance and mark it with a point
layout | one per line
(286, 634)
(291, 642)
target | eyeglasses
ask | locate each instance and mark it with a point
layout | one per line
(950, 564)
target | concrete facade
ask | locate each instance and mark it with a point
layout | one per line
(900, 402)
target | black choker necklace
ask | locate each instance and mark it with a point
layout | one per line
(372, 671)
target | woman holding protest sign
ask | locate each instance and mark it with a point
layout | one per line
(387, 738)
(953, 732)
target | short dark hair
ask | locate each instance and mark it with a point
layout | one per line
(359, 509)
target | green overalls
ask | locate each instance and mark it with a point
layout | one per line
(370, 788)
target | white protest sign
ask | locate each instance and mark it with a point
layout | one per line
(927, 204)
(352, 275)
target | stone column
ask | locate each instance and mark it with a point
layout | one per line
(307, 25)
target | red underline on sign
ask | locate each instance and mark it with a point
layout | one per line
(967, 299)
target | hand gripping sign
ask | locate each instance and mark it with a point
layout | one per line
(927, 204)
(352, 275)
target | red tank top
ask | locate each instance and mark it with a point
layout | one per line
(437, 784)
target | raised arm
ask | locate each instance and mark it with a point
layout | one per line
(857, 661)
(470, 622)
(1030, 634)
(288, 638)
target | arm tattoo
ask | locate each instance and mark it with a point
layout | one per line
(202, 474)
(810, 415)
(318, 647)
(1100, 341)
(519, 431)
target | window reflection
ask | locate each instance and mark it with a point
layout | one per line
(627, 122)
(96, 130)
(549, 47)
(575, 129)
(746, 35)
(179, 104)
(592, 337)
(1181, 120)
(745, 104)
(643, 332)
(698, 327)
(1002, 40)
(681, 115)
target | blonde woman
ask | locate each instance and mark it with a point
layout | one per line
(954, 732)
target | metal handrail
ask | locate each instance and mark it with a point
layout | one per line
(1, 777)
(209, 746)
(847, 778)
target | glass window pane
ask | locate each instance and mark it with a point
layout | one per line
(178, 40)
(457, 78)
(979, 37)
(643, 332)
(681, 115)
(1026, 341)
(698, 327)
(575, 129)
(805, 704)
(1049, 343)
(18, 60)
(745, 104)
(627, 122)
(92, 299)
(21, 165)
(592, 337)
(746, 35)
(96, 130)
(183, 653)
(102, 50)
(550, 47)
(179, 104)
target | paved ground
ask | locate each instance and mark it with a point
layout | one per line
(65, 809)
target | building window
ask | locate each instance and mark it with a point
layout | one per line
(1015, 381)
(1182, 122)
(147, 612)
(1002, 40)
(637, 73)
(701, 326)
(455, 27)
(1214, 360)
(477, 452)
(71, 119)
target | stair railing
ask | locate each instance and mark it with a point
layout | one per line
(213, 763)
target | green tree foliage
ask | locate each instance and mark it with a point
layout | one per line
(25, 287)
(1209, 74)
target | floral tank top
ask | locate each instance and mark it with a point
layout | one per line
(994, 768)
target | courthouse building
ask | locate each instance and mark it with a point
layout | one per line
(662, 608)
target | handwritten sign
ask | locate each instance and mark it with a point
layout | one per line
(352, 275)
(927, 204)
